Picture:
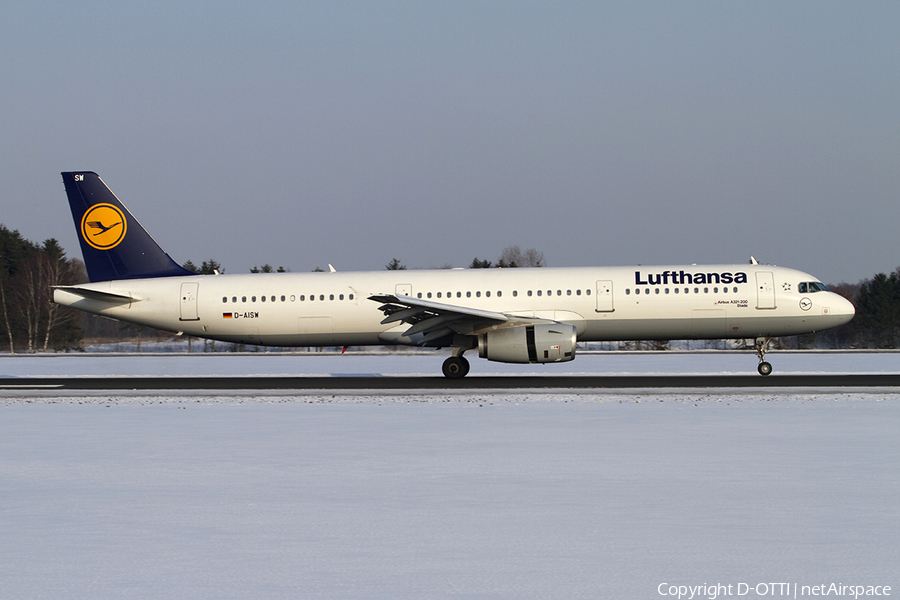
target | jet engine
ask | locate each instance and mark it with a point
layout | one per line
(542, 343)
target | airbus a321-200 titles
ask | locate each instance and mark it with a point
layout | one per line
(506, 315)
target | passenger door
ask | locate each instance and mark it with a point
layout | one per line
(765, 290)
(189, 293)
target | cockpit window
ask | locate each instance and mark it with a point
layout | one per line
(811, 287)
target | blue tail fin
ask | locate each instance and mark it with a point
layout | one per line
(113, 243)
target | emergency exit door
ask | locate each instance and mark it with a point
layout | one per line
(605, 296)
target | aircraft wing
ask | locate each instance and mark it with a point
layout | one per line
(434, 320)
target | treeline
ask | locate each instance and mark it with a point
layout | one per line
(510, 258)
(29, 320)
(877, 321)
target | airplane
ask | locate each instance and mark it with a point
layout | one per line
(521, 315)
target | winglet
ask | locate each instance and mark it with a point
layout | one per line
(113, 243)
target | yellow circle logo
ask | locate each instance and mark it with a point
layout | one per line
(103, 226)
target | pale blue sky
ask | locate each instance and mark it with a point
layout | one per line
(601, 133)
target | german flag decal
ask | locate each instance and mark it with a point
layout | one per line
(227, 315)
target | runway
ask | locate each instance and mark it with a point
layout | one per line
(394, 382)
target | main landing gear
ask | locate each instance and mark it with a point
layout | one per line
(456, 367)
(762, 346)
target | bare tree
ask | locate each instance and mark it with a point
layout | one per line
(513, 256)
(9, 333)
(55, 270)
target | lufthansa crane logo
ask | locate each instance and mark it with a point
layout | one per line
(103, 226)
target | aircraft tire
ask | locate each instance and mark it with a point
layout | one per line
(455, 367)
(764, 368)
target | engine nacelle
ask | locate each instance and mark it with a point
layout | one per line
(542, 343)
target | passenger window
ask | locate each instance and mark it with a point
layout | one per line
(350, 297)
(243, 298)
(341, 297)
(253, 299)
(459, 294)
(676, 290)
(331, 297)
(487, 294)
(627, 291)
(529, 293)
(282, 298)
(263, 298)
(468, 294)
(302, 298)
(292, 298)
(540, 292)
(322, 297)
(224, 299)
(478, 294)
(715, 290)
(577, 292)
(234, 298)
(656, 290)
(588, 292)
(438, 294)
(667, 290)
(515, 293)
(499, 293)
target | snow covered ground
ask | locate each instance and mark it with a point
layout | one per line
(506, 495)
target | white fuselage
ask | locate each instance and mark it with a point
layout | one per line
(612, 303)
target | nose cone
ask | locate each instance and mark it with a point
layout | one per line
(843, 309)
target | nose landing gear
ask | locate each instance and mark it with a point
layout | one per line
(762, 346)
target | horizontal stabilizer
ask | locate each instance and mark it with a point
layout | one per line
(90, 294)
